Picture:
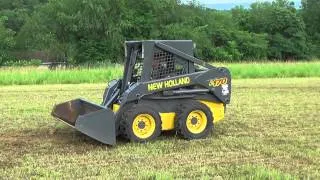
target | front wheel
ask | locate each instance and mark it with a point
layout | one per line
(194, 120)
(140, 124)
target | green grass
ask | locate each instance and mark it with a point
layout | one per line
(33, 75)
(275, 70)
(271, 131)
(29, 75)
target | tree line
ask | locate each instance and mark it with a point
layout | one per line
(91, 31)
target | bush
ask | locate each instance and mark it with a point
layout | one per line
(5, 58)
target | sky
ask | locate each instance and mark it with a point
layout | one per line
(226, 1)
(229, 4)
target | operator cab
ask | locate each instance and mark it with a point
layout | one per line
(145, 61)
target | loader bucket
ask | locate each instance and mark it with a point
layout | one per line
(91, 119)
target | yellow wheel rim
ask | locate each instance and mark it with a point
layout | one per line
(143, 126)
(197, 122)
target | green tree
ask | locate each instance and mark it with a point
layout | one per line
(18, 11)
(77, 29)
(280, 21)
(6, 41)
(311, 16)
(88, 31)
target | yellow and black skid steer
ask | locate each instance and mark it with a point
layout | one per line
(164, 87)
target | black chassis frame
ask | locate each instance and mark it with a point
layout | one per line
(199, 87)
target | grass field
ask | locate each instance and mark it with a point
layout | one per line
(31, 75)
(272, 131)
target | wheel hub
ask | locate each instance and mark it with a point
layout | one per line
(194, 120)
(141, 125)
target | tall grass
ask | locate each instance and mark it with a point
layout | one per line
(275, 70)
(33, 75)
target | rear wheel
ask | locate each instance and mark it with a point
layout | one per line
(194, 120)
(140, 124)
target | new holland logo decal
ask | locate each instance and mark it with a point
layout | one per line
(218, 82)
(169, 83)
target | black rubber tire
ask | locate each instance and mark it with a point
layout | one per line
(182, 113)
(128, 118)
(119, 116)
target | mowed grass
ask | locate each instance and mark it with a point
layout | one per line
(271, 131)
(33, 75)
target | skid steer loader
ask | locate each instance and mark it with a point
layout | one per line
(164, 87)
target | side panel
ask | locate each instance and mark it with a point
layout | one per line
(217, 110)
(221, 90)
(168, 118)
